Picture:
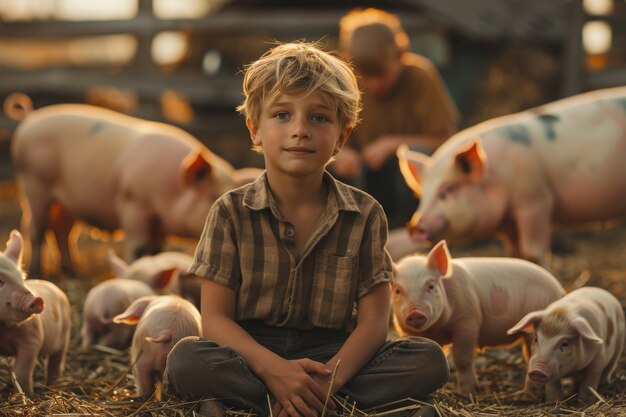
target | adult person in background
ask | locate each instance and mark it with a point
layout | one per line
(404, 101)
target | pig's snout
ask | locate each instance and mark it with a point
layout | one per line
(27, 303)
(416, 229)
(418, 233)
(538, 375)
(416, 319)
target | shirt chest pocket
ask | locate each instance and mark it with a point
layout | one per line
(333, 294)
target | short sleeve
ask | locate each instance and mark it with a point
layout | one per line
(375, 265)
(435, 107)
(217, 256)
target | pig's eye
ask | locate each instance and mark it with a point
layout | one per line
(430, 287)
(447, 190)
(564, 345)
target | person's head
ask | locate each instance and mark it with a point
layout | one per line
(374, 41)
(301, 69)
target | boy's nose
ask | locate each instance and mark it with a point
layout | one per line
(300, 129)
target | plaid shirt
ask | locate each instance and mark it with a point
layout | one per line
(249, 247)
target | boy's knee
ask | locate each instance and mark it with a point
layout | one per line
(431, 366)
(182, 353)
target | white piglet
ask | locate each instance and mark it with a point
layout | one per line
(161, 322)
(103, 302)
(469, 303)
(580, 335)
(34, 319)
(165, 272)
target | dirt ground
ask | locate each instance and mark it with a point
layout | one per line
(98, 383)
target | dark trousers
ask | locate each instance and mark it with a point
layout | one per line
(404, 368)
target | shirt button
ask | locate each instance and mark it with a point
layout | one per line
(289, 231)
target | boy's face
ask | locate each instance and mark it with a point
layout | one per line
(298, 134)
(381, 82)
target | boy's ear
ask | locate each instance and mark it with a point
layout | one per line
(253, 132)
(343, 139)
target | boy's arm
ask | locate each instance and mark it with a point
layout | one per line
(290, 382)
(367, 337)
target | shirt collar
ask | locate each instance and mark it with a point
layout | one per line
(259, 197)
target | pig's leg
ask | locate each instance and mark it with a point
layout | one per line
(527, 351)
(144, 382)
(142, 231)
(56, 365)
(24, 368)
(35, 202)
(463, 350)
(510, 238)
(534, 229)
(61, 223)
(591, 379)
(553, 391)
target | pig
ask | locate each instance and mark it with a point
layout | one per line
(103, 302)
(112, 171)
(580, 335)
(34, 319)
(161, 322)
(165, 272)
(515, 175)
(469, 302)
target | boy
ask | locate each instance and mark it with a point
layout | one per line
(404, 101)
(295, 260)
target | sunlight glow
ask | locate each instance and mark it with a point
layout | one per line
(168, 47)
(597, 37)
(180, 9)
(598, 7)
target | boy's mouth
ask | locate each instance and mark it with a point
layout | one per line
(298, 150)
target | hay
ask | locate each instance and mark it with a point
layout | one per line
(99, 382)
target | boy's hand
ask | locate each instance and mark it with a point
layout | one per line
(347, 163)
(294, 384)
(376, 153)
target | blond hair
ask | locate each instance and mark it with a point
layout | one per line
(371, 37)
(301, 68)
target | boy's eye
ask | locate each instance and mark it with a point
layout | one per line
(319, 118)
(281, 115)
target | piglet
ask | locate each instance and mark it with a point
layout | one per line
(468, 302)
(103, 302)
(27, 329)
(165, 272)
(580, 335)
(161, 322)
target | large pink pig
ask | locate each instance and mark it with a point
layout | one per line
(515, 175)
(80, 162)
(161, 322)
(34, 318)
(165, 272)
(468, 302)
(580, 335)
(103, 302)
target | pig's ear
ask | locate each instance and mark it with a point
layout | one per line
(117, 264)
(162, 338)
(411, 165)
(163, 278)
(438, 258)
(195, 167)
(581, 325)
(530, 320)
(472, 160)
(14, 247)
(134, 311)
